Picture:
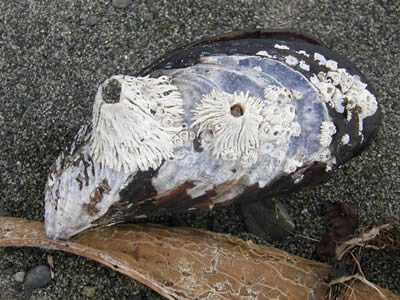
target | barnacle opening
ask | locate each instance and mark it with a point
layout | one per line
(237, 110)
(112, 92)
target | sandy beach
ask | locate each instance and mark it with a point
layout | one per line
(54, 55)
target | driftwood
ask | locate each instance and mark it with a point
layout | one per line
(187, 263)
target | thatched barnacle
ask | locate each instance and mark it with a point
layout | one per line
(232, 122)
(141, 129)
(242, 116)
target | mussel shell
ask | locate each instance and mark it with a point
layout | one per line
(294, 59)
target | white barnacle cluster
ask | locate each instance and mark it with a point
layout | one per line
(142, 129)
(292, 165)
(279, 115)
(343, 91)
(280, 124)
(328, 129)
(229, 125)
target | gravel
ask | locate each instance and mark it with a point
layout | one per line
(54, 54)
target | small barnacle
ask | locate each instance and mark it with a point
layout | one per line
(331, 64)
(292, 165)
(282, 47)
(265, 53)
(325, 87)
(275, 133)
(302, 52)
(363, 102)
(192, 136)
(322, 77)
(289, 112)
(345, 139)
(178, 141)
(346, 81)
(320, 58)
(327, 90)
(184, 135)
(298, 179)
(338, 101)
(334, 77)
(272, 114)
(325, 155)
(358, 85)
(304, 65)
(278, 95)
(329, 167)
(291, 60)
(327, 130)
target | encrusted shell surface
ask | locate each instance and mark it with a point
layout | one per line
(240, 116)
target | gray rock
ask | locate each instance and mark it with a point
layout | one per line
(268, 219)
(36, 277)
(19, 276)
(121, 3)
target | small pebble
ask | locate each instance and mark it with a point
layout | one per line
(92, 20)
(88, 291)
(148, 16)
(121, 3)
(19, 166)
(19, 276)
(267, 219)
(36, 277)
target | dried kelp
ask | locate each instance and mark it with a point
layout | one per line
(187, 263)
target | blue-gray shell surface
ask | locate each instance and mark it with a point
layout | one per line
(236, 117)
